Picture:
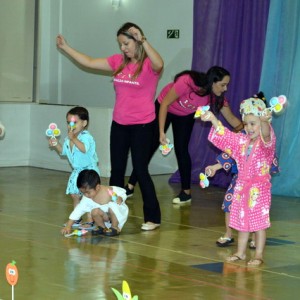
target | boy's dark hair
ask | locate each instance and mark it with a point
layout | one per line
(88, 179)
(81, 112)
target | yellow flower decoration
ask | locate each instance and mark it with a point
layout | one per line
(264, 169)
(228, 151)
(220, 130)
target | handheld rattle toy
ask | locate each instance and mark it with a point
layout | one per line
(73, 123)
(77, 233)
(12, 275)
(277, 104)
(203, 180)
(201, 110)
(114, 196)
(52, 132)
(166, 148)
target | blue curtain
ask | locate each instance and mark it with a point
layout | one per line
(281, 75)
(231, 34)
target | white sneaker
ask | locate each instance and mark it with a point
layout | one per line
(149, 226)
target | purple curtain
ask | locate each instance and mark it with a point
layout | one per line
(230, 34)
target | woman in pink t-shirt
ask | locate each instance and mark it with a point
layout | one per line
(135, 76)
(176, 104)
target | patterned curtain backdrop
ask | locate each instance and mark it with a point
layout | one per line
(230, 34)
(281, 76)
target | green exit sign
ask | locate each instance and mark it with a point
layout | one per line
(173, 33)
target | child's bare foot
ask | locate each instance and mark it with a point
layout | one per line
(87, 226)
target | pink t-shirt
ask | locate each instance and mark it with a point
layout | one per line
(134, 97)
(187, 101)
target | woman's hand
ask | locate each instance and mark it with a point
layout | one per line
(135, 33)
(61, 42)
(163, 139)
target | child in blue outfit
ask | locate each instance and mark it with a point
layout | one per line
(80, 148)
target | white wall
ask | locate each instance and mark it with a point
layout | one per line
(16, 49)
(25, 142)
(90, 26)
(15, 145)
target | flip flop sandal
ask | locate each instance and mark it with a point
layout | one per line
(252, 245)
(234, 258)
(255, 262)
(98, 231)
(111, 232)
(224, 241)
(90, 226)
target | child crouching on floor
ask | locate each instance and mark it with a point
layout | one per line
(105, 203)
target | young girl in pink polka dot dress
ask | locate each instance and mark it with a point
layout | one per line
(253, 153)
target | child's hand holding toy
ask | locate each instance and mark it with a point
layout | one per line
(203, 180)
(201, 110)
(114, 196)
(53, 132)
(72, 124)
(277, 104)
(210, 171)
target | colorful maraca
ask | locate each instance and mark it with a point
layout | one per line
(52, 132)
(166, 148)
(114, 196)
(277, 104)
(73, 123)
(203, 180)
(201, 110)
(77, 233)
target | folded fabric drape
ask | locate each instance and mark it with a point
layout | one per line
(230, 34)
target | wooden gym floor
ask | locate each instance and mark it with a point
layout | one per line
(178, 261)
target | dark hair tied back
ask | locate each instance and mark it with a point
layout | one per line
(215, 74)
(199, 79)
